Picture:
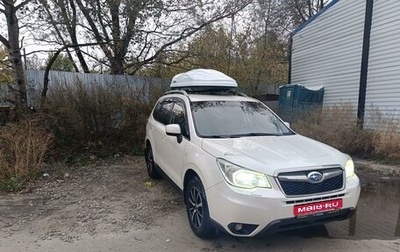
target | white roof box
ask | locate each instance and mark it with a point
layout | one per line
(202, 78)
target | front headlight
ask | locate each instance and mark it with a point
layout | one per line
(349, 168)
(241, 177)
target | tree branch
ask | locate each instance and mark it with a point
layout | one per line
(4, 41)
(51, 61)
(19, 6)
(299, 10)
(184, 34)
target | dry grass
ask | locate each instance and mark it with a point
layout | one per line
(386, 141)
(337, 126)
(100, 120)
(23, 146)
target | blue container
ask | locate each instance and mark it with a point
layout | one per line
(295, 98)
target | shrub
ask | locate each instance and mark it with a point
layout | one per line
(98, 119)
(386, 141)
(23, 145)
(11, 184)
(336, 126)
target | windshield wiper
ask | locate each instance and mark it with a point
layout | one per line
(219, 136)
(256, 134)
(242, 135)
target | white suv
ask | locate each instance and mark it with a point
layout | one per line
(240, 167)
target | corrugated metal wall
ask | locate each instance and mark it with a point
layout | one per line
(4, 93)
(383, 83)
(57, 78)
(327, 52)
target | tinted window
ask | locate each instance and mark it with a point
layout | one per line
(235, 119)
(163, 111)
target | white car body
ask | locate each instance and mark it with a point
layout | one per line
(270, 160)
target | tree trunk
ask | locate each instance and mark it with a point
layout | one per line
(74, 40)
(15, 53)
(117, 66)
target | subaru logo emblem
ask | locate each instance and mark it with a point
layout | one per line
(315, 177)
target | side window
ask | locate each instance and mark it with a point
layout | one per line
(179, 117)
(163, 111)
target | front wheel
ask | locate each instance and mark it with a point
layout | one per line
(151, 165)
(197, 209)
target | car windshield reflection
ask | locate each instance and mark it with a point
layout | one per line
(230, 119)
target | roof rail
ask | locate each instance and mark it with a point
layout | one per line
(207, 91)
(183, 92)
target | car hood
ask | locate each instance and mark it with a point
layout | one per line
(270, 154)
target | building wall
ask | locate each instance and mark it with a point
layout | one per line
(327, 52)
(383, 82)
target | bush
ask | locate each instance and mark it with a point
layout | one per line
(336, 126)
(23, 146)
(11, 184)
(98, 119)
(387, 141)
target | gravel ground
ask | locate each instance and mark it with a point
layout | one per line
(115, 207)
(90, 200)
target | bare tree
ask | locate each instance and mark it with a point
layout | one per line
(304, 9)
(131, 33)
(50, 63)
(264, 12)
(11, 41)
(58, 22)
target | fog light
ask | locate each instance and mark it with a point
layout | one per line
(242, 228)
(238, 227)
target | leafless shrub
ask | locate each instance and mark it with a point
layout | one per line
(101, 119)
(23, 146)
(386, 140)
(336, 126)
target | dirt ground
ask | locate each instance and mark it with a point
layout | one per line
(89, 200)
(103, 207)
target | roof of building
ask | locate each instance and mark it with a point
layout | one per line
(311, 19)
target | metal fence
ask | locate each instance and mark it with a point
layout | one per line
(59, 79)
(4, 91)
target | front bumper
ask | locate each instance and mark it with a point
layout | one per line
(293, 223)
(268, 210)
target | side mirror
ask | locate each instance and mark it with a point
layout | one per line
(287, 124)
(174, 130)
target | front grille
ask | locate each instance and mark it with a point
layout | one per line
(297, 183)
(291, 202)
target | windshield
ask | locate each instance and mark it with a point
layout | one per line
(235, 119)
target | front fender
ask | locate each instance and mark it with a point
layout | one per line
(204, 165)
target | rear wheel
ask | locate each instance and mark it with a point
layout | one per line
(151, 165)
(197, 209)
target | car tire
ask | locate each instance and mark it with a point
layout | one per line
(150, 164)
(197, 209)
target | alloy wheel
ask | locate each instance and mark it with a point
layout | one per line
(195, 207)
